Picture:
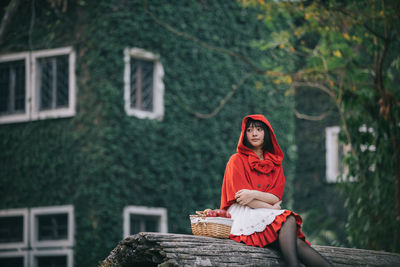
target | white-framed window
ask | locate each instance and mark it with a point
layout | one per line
(144, 219)
(54, 81)
(14, 84)
(50, 258)
(143, 84)
(37, 85)
(39, 237)
(14, 259)
(13, 229)
(52, 226)
(336, 170)
(335, 151)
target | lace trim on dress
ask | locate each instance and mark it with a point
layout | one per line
(247, 221)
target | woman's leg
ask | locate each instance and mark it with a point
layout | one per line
(288, 241)
(309, 256)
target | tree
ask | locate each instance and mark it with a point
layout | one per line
(349, 50)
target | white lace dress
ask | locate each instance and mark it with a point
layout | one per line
(247, 221)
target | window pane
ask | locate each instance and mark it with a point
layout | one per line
(54, 82)
(20, 86)
(53, 227)
(151, 225)
(12, 87)
(147, 94)
(12, 262)
(52, 261)
(135, 225)
(142, 84)
(144, 223)
(62, 81)
(4, 88)
(46, 82)
(11, 229)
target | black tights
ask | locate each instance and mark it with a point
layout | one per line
(293, 248)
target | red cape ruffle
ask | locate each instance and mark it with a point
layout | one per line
(270, 234)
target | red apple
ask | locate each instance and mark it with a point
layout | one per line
(206, 212)
(218, 212)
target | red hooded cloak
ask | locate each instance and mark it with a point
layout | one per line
(245, 170)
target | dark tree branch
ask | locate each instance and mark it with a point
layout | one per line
(222, 102)
(11, 9)
(319, 117)
(185, 35)
(316, 85)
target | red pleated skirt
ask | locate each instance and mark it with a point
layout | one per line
(270, 234)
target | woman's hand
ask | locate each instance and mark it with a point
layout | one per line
(277, 205)
(244, 196)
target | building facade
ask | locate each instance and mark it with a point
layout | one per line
(118, 117)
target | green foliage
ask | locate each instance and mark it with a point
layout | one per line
(349, 51)
(320, 204)
(101, 160)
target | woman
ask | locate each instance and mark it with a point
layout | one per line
(252, 191)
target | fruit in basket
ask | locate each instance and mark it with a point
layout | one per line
(211, 213)
(217, 213)
(220, 213)
(206, 211)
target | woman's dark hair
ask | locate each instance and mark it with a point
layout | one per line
(267, 136)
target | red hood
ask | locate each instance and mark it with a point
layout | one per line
(243, 170)
(276, 157)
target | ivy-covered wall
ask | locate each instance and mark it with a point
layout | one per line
(102, 160)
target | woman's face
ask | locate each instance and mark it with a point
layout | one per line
(255, 136)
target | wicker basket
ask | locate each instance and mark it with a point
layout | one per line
(211, 226)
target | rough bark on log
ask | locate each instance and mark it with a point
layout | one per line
(156, 249)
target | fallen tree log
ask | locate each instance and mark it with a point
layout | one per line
(156, 249)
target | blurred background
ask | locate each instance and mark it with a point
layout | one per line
(119, 116)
